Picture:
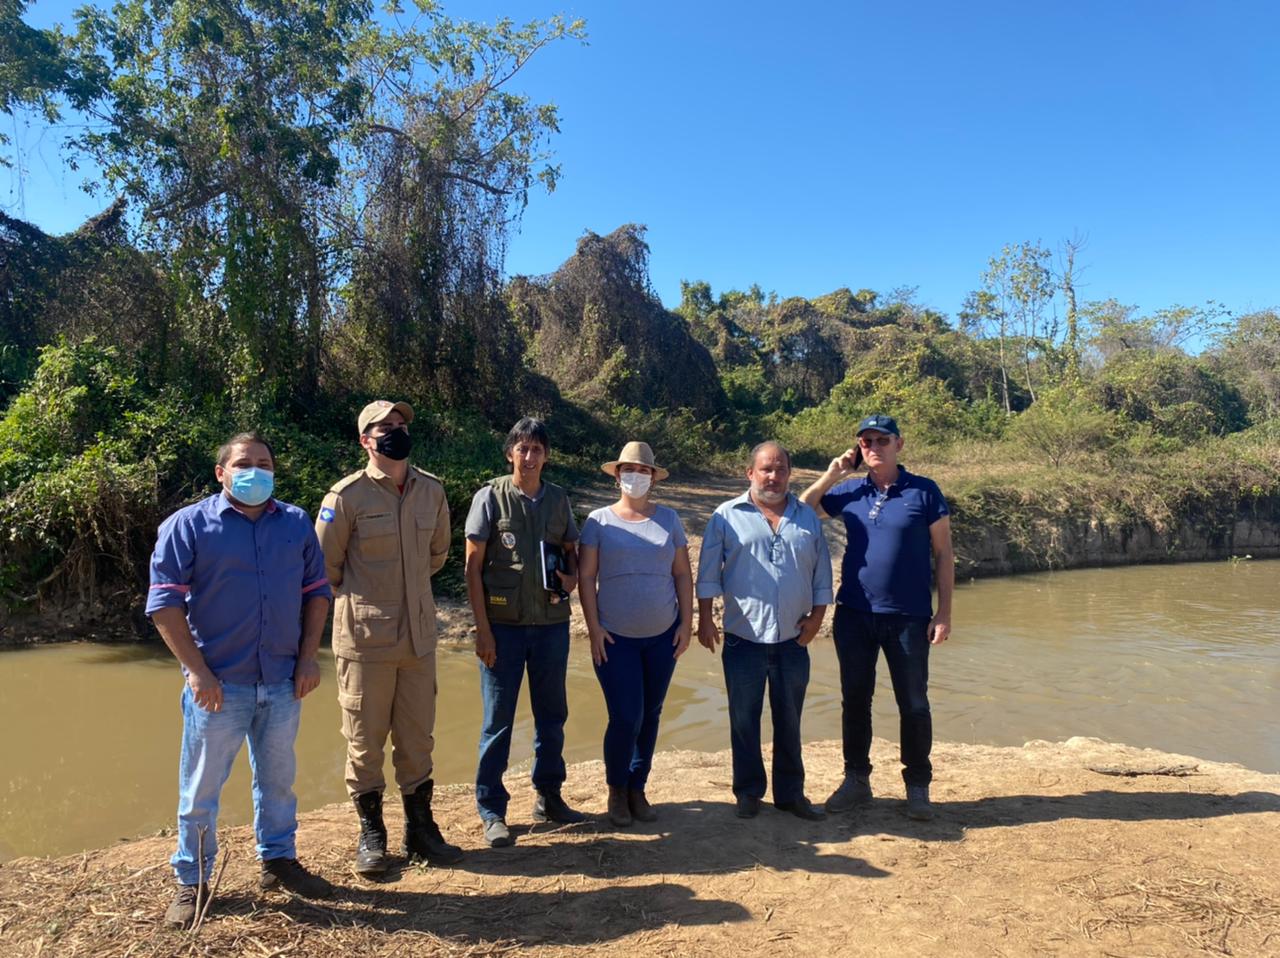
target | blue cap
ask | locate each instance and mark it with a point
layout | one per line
(880, 424)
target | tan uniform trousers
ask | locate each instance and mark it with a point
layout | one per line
(396, 697)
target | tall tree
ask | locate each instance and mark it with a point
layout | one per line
(983, 315)
(445, 162)
(275, 149)
(1021, 283)
(36, 72)
(223, 122)
(1067, 280)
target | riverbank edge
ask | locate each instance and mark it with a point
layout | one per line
(1071, 841)
(996, 533)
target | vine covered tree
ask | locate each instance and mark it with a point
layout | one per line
(276, 149)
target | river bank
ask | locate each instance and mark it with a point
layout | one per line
(994, 536)
(1079, 847)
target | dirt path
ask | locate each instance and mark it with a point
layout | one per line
(1032, 853)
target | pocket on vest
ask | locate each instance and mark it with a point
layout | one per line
(502, 594)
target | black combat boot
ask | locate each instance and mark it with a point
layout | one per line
(371, 850)
(422, 838)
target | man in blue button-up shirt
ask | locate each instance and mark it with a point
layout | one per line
(765, 554)
(238, 593)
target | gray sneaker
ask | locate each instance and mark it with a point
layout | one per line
(182, 910)
(496, 833)
(918, 807)
(854, 790)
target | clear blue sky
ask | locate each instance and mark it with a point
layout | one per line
(809, 146)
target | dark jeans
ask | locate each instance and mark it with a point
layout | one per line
(859, 637)
(544, 649)
(748, 666)
(634, 681)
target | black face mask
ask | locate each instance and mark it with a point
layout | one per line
(394, 445)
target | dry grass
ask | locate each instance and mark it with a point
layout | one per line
(1203, 910)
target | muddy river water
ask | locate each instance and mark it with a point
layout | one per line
(1184, 658)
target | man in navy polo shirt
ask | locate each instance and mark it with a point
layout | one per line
(896, 522)
(239, 595)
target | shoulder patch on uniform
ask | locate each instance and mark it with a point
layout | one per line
(326, 514)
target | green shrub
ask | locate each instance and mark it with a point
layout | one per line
(1062, 424)
(90, 460)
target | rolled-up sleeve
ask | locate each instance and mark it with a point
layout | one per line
(315, 583)
(171, 565)
(711, 559)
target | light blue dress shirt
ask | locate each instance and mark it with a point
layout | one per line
(769, 580)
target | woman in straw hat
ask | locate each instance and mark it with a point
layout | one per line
(636, 589)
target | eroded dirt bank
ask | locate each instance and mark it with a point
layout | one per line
(1070, 848)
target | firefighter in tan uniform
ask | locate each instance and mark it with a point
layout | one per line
(385, 532)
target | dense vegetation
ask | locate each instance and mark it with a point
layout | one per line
(311, 211)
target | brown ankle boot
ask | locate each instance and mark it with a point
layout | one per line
(619, 810)
(641, 810)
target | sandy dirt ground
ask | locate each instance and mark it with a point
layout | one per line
(1073, 848)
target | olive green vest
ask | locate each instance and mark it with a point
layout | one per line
(513, 592)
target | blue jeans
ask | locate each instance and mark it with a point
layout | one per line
(634, 681)
(859, 637)
(544, 649)
(748, 666)
(266, 715)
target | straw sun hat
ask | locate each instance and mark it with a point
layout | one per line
(638, 454)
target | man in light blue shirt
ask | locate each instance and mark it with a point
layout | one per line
(765, 554)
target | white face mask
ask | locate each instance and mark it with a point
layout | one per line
(634, 484)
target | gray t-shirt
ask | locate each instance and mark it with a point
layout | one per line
(484, 507)
(635, 590)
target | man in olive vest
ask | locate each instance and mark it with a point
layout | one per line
(519, 624)
(385, 532)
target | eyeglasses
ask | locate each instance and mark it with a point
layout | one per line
(881, 441)
(777, 550)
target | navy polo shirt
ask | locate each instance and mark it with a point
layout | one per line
(887, 563)
(241, 584)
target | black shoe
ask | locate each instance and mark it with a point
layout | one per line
(496, 833)
(290, 874)
(748, 806)
(854, 790)
(182, 910)
(422, 838)
(802, 808)
(371, 849)
(550, 807)
(918, 807)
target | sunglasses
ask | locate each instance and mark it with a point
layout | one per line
(874, 513)
(866, 442)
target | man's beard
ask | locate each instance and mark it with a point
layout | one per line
(764, 495)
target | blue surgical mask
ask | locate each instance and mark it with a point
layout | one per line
(252, 486)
